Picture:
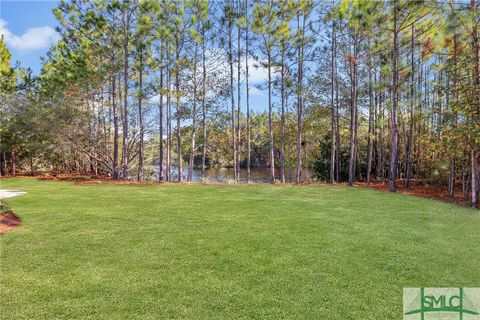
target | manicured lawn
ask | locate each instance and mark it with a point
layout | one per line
(227, 252)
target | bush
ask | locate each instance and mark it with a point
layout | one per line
(205, 180)
(321, 166)
(230, 181)
(4, 208)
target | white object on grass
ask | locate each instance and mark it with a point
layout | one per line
(4, 194)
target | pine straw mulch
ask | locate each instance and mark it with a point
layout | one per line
(9, 221)
(436, 192)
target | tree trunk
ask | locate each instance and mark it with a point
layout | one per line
(465, 182)
(248, 92)
(32, 169)
(13, 155)
(178, 112)
(140, 173)
(194, 116)
(4, 157)
(2, 172)
(204, 110)
(451, 180)
(333, 149)
(393, 116)
(270, 120)
(232, 98)
(168, 161)
(370, 119)
(298, 175)
(409, 153)
(381, 128)
(282, 116)
(476, 115)
(338, 164)
(353, 115)
(452, 177)
(161, 177)
(115, 132)
(239, 61)
(474, 178)
(125, 98)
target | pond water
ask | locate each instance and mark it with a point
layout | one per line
(258, 175)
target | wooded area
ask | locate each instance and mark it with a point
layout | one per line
(357, 90)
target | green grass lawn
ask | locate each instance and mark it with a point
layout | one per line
(227, 252)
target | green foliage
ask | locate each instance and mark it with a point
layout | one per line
(7, 73)
(321, 165)
(4, 208)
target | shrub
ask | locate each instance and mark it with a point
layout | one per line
(4, 208)
(230, 181)
(205, 180)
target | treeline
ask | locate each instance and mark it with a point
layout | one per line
(357, 90)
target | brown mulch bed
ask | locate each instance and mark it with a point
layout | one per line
(9, 221)
(435, 192)
(68, 177)
(111, 181)
(133, 182)
(417, 189)
(46, 178)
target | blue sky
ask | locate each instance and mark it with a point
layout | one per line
(29, 30)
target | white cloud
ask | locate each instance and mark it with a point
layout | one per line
(254, 91)
(155, 99)
(33, 39)
(257, 73)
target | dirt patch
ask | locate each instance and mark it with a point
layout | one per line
(9, 221)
